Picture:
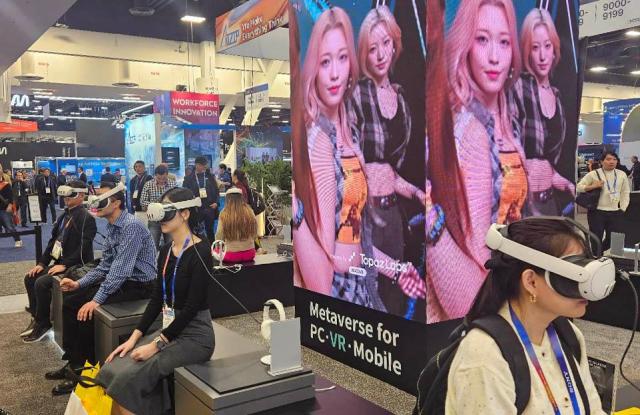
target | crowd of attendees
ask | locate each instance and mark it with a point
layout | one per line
(166, 260)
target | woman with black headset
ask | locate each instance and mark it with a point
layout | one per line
(136, 371)
(480, 380)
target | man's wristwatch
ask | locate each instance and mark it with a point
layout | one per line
(160, 344)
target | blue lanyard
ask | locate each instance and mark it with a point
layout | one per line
(615, 180)
(557, 349)
(175, 271)
(204, 176)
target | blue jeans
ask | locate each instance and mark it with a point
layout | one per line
(6, 219)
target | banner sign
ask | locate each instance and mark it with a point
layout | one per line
(256, 97)
(195, 108)
(604, 16)
(249, 21)
(18, 126)
(613, 119)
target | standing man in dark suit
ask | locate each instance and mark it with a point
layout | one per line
(107, 176)
(81, 175)
(62, 180)
(203, 184)
(71, 244)
(136, 184)
(635, 173)
(20, 195)
(46, 188)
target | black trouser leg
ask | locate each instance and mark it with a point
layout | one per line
(52, 207)
(79, 343)
(43, 210)
(30, 285)
(595, 218)
(43, 287)
(23, 214)
(209, 217)
(611, 223)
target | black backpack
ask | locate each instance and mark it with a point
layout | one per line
(256, 202)
(432, 383)
(589, 200)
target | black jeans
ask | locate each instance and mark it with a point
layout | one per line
(209, 217)
(77, 336)
(39, 293)
(601, 221)
(24, 210)
(51, 204)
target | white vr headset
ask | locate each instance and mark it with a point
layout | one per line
(101, 201)
(68, 191)
(575, 276)
(265, 327)
(164, 212)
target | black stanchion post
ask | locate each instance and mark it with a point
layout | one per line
(38, 237)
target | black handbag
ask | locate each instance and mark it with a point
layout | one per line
(589, 200)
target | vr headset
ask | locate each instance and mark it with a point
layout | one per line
(575, 276)
(164, 212)
(101, 201)
(68, 191)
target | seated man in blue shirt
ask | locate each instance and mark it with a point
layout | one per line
(126, 273)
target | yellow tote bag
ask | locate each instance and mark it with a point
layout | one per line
(94, 399)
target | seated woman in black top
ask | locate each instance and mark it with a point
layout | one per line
(136, 380)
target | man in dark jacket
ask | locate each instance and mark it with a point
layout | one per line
(81, 175)
(71, 244)
(136, 184)
(46, 188)
(62, 180)
(107, 176)
(635, 173)
(21, 197)
(203, 184)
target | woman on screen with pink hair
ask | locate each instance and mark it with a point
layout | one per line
(540, 112)
(334, 255)
(475, 161)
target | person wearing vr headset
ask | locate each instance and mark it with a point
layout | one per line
(70, 245)
(542, 271)
(135, 372)
(152, 192)
(237, 228)
(125, 273)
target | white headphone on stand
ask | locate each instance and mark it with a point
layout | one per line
(265, 327)
(218, 250)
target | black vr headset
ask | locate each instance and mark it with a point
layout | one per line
(576, 276)
(164, 212)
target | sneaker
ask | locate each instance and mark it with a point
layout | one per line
(18, 244)
(37, 334)
(29, 328)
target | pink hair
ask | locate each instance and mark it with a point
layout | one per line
(535, 18)
(333, 18)
(380, 15)
(459, 42)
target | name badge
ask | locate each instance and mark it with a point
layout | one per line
(135, 194)
(168, 315)
(56, 252)
(203, 193)
(615, 197)
(47, 190)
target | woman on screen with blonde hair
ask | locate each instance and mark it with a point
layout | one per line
(333, 248)
(383, 122)
(540, 112)
(486, 181)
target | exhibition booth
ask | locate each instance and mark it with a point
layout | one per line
(385, 248)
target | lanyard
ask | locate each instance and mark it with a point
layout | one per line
(204, 179)
(615, 180)
(139, 179)
(557, 349)
(175, 271)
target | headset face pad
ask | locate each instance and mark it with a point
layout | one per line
(564, 286)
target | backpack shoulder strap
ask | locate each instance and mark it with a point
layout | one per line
(573, 352)
(507, 340)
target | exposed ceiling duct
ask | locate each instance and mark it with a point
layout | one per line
(146, 8)
(28, 66)
(124, 75)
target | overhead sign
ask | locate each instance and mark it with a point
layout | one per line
(603, 16)
(256, 97)
(18, 126)
(249, 21)
(20, 101)
(196, 108)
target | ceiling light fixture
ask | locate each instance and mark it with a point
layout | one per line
(598, 69)
(192, 13)
(193, 19)
(633, 33)
(637, 72)
(130, 99)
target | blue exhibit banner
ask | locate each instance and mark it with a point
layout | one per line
(141, 142)
(173, 150)
(615, 114)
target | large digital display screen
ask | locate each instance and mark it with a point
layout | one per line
(141, 142)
